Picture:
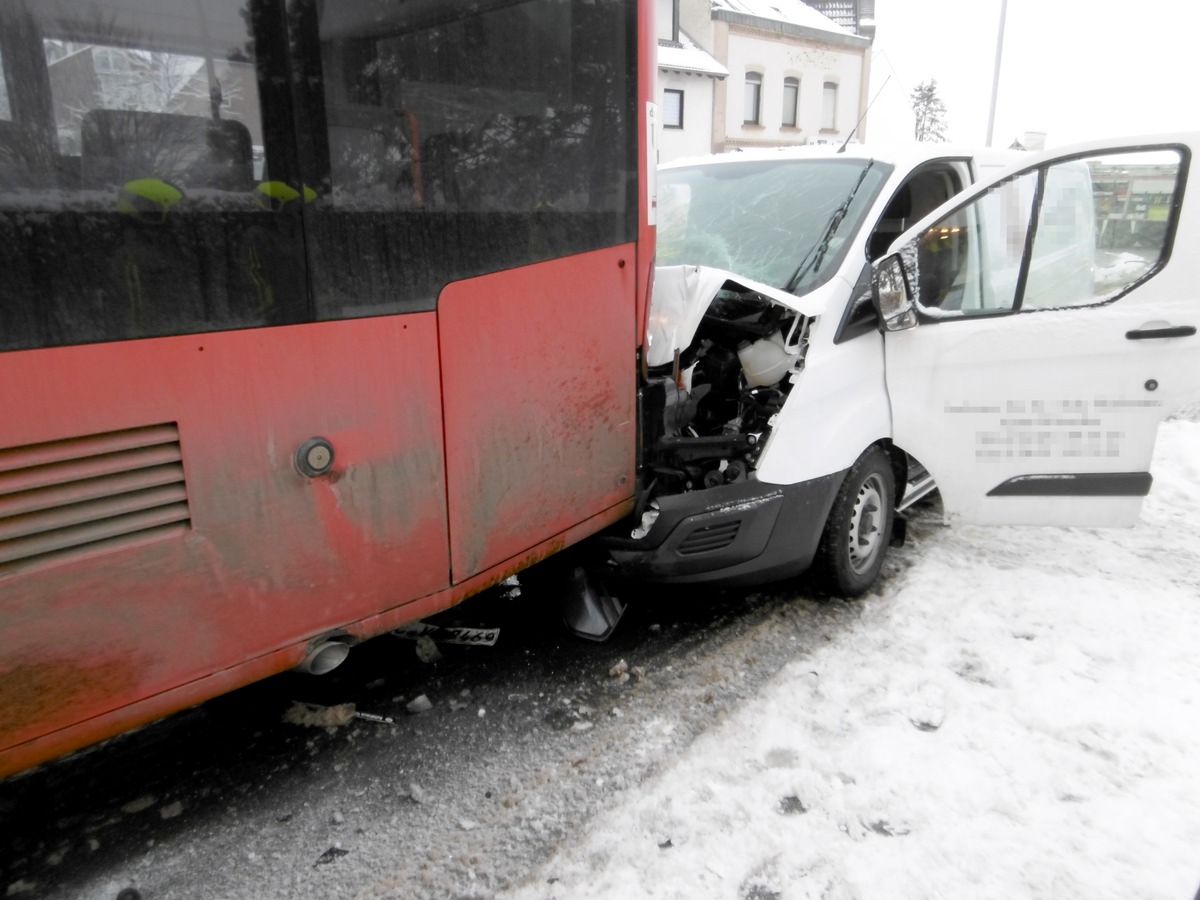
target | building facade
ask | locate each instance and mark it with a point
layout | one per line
(687, 79)
(782, 73)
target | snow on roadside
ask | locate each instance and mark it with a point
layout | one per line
(1015, 716)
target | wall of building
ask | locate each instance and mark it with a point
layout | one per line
(776, 57)
(695, 18)
(694, 139)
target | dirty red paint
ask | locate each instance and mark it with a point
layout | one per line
(270, 557)
(539, 393)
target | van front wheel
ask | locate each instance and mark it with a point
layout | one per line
(859, 527)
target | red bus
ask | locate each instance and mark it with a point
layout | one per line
(316, 317)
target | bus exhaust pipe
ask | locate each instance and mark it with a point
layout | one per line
(324, 657)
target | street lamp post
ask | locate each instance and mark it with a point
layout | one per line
(996, 74)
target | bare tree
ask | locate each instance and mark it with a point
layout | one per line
(930, 112)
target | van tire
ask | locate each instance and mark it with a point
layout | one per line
(859, 528)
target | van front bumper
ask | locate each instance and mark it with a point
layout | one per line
(743, 533)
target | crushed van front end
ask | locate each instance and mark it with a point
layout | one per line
(723, 353)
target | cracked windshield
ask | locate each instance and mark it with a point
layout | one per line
(766, 219)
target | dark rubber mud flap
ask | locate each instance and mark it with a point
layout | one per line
(588, 609)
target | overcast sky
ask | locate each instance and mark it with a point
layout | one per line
(1074, 69)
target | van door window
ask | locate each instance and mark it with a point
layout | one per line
(969, 262)
(924, 191)
(1077, 233)
(1102, 226)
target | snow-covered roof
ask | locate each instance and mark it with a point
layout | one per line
(689, 57)
(785, 12)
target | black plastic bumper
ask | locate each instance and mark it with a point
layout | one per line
(744, 533)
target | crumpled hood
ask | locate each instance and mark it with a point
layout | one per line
(682, 295)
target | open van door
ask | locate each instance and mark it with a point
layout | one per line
(1040, 326)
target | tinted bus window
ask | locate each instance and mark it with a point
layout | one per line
(144, 172)
(458, 138)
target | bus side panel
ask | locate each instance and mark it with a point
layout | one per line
(539, 390)
(262, 557)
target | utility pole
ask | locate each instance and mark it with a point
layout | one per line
(996, 74)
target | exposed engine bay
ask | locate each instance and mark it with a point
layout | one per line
(720, 362)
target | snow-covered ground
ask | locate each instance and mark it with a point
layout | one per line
(1040, 738)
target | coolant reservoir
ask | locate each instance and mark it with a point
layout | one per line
(765, 361)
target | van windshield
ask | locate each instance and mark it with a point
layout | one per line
(765, 219)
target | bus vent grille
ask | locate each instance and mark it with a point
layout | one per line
(709, 538)
(62, 499)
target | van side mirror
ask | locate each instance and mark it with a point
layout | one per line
(891, 295)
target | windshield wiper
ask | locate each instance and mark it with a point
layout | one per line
(813, 260)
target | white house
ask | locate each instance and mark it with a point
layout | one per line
(781, 73)
(687, 76)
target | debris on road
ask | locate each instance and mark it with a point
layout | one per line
(139, 805)
(622, 670)
(372, 717)
(419, 705)
(311, 715)
(791, 805)
(329, 856)
(928, 711)
(427, 649)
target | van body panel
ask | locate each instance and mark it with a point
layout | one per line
(1041, 412)
(1049, 383)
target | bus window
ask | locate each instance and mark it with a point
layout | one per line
(458, 139)
(141, 185)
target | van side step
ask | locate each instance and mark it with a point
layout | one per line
(920, 485)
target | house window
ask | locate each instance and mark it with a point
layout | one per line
(667, 26)
(672, 109)
(829, 107)
(753, 97)
(791, 96)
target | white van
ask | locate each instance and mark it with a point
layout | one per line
(835, 332)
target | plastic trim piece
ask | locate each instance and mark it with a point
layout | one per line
(766, 532)
(1093, 484)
